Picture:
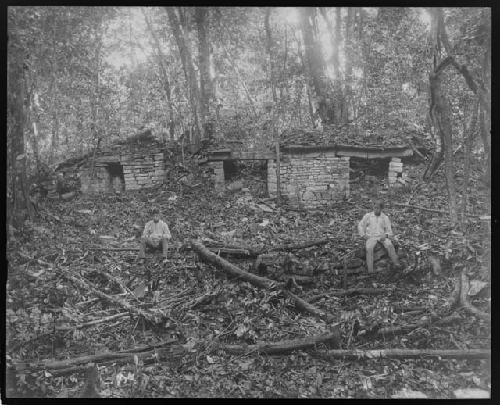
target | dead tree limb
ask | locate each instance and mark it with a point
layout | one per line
(242, 252)
(464, 301)
(152, 317)
(207, 256)
(433, 320)
(79, 364)
(298, 246)
(261, 282)
(307, 307)
(408, 354)
(427, 209)
(92, 323)
(349, 292)
(113, 279)
(285, 346)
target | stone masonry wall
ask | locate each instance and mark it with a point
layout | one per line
(100, 183)
(142, 171)
(310, 180)
(139, 171)
(218, 174)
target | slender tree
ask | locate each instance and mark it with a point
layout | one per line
(162, 63)
(19, 202)
(206, 86)
(183, 44)
(440, 112)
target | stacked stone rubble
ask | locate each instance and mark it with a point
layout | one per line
(396, 174)
(142, 171)
(218, 174)
(310, 180)
(139, 171)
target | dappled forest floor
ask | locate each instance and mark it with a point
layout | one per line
(50, 315)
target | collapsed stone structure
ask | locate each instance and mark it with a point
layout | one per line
(310, 175)
(310, 178)
(135, 163)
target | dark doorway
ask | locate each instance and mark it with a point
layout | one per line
(252, 174)
(116, 177)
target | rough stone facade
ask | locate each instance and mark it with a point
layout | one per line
(218, 174)
(143, 171)
(396, 175)
(310, 179)
(102, 181)
(123, 172)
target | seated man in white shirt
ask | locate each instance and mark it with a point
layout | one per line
(376, 227)
(155, 233)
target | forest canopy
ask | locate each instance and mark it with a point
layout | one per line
(87, 76)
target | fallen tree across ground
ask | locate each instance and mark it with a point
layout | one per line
(396, 330)
(258, 281)
(472, 354)
(149, 316)
(285, 346)
(298, 246)
(349, 292)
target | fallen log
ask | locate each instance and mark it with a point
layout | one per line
(207, 256)
(307, 307)
(113, 279)
(298, 278)
(258, 281)
(153, 356)
(50, 364)
(298, 246)
(396, 330)
(408, 354)
(349, 292)
(92, 323)
(418, 207)
(152, 317)
(330, 339)
(232, 251)
(222, 250)
(464, 301)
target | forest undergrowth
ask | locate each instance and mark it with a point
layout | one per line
(50, 317)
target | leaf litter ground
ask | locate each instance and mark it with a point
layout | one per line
(205, 309)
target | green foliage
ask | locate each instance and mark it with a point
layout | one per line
(67, 50)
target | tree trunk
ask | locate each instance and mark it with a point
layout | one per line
(316, 63)
(53, 90)
(332, 339)
(206, 87)
(272, 80)
(470, 132)
(472, 354)
(164, 75)
(440, 112)
(486, 138)
(19, 189)
(348, 65)
(187, 64)
(307, 82)
(95, 100)
(338, 98)
(261, 282)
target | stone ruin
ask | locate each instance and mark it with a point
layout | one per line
(133, 164)
(311, 176)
